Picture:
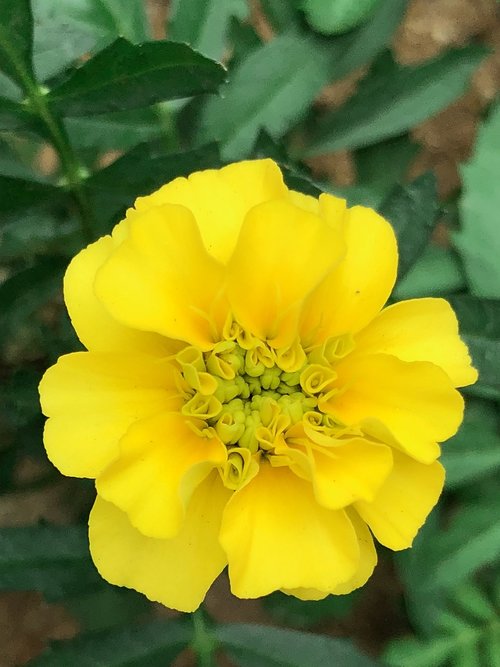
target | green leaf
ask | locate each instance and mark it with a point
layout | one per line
(113, 131)
(17, 193)
(480, 327)
(271, 89)
(393, 99)
(475, 451)
(337, 16)
(22, 293)
(436, 272)
(381, 166)
(261, 646)
(153, 644)
(127, 76)
(412, 211)
(141, 171)
(281, 15)
(288, 610)
(16, 40)
(203, 24)
(414, 653)
(478, 240)
(51, 559)
(360, 46)
(13, 115)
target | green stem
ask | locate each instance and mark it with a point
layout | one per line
(203, 644)
(74, 171)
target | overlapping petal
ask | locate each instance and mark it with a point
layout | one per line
(355, 290)
(349, 472)
(420, 330)
(276, 537)
(162, 460)
(95, 327)
(414, 403)
(403, 502)
(92, 398)
(282, 253)
(176, 572)
(161, 279)
(220, 199)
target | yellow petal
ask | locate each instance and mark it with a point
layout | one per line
(420, 330)
(176, 572)
(277, 537)
(162, 279)
(95, 327)
(404, 501)
(92, 398)
(220, 199)
(349, 472)
(355, 290)
(162, 460)
(366, 565)
(281, 255)
(414, 401)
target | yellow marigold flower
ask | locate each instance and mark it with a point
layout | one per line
(245, 399)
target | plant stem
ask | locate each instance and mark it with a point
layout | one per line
(74, 171)
(203, 642)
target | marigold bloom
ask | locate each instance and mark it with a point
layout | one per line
(245, 399)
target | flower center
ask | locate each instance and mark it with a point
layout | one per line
(254, 396)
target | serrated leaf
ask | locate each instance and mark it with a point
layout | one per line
(475, 450)
(270, 89)
(392, 99)
(262, 646)
(478, 240)
(153, 644)
(412, 211)
(337, 16)
(128, 76)
(480, 327)
(16, 40)
(18, 193)
(51, 559)
(203, 24)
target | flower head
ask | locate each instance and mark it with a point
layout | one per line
(245, 399)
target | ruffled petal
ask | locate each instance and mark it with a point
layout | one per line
(282, 253)
(176, 572)
(355, 290)
(404, 501)
(349, 472)
(92, 398)
(162, 460)
(408, 405)
(220, 199)
(420, 330)
(276, 537)
(161, 279)
(95, 327)
(366, 565)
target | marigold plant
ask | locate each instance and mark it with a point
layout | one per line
(246, 399)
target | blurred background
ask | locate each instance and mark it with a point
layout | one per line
(391, 104)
